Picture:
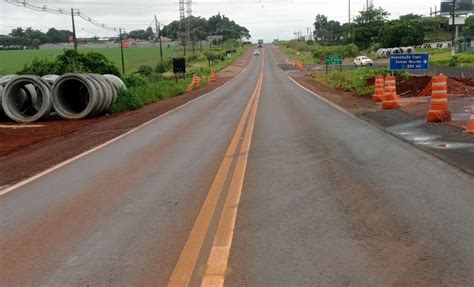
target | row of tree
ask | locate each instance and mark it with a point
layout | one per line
(197, 28)
(33, 38)
(190, 29)
(372, 27)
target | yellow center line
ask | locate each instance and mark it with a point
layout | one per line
(216, 267)
(185, 266)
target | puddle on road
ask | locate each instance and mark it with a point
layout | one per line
(411, 132)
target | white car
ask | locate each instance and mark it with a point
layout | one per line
(363, 61)
(256, 53)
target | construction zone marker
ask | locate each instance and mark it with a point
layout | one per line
(390, 99)
(213, 77)
(439, 100)
(195, 83)
(378, 89)
(470, 125)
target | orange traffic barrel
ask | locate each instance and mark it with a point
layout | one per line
(378, 89)
(213, 77)
(439, 100)
(390, 99)
(470, 125)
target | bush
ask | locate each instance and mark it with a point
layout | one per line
(126, 101)
(40, 67)
(145, 70)
(163, 67)
(453, 62)
(353, 80)
(71, 61)
(134, 80)
(350, 50)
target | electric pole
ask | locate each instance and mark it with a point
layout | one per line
(73, 29)
(121, 50)
(453, 40)
(158, 30)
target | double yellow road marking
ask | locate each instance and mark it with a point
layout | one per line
(216, 267)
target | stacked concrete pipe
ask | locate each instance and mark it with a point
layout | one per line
(27, 99)
(76, 96)
(386, 52)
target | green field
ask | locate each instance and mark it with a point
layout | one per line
(13, 61)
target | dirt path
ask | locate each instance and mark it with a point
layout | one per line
(27, 150)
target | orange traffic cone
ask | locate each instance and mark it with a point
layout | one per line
(379, 89)
(390, 99)
(439, 100)
(196, 82)
(213, 77)
(470, 125)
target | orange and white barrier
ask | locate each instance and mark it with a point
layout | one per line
(390, 99)
(378, 89)
(213, 77)
(439, 111)
(470, 125)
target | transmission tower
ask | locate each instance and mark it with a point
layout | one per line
(181, 9)
(189, 8)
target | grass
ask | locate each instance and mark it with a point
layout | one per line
(353, 80)
(442, 57)
(157, 87)
(13, 61)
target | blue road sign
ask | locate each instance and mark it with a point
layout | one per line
(409, 62)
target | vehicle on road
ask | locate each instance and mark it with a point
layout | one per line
(256, 53)
(363, 61)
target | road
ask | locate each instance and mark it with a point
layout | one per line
(259, 183)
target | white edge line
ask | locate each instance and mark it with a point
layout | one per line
(422, 151)
(68, 161)
(323, 99)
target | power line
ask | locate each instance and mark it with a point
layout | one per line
(75, 12)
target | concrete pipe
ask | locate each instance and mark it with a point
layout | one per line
(387, 53)
(408, 50)
(75, 96)
(27, 99)
(380, 53)
(115, 82)
(50, 78)
(105, 92)
(3, 82)
(396, 51)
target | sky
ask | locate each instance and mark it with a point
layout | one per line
(265, 19)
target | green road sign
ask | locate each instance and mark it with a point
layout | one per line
(334, 60)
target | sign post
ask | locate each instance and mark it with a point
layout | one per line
(333, 60)
(409, 62)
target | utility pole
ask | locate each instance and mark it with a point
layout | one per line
(121, 50)
(349, 10)
(158, 30)
(73, 29)
(453, 40)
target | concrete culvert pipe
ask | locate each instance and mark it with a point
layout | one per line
(27, 99)
(117, 83)
(75, 96)
(410, 50)
(396, 51)
(380, 53)
(3, 82)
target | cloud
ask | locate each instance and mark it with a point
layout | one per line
(265, 19)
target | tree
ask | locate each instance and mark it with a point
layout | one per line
(468, 28)
(57, 36)
(400, 33)
(367, 26)
(411, 16)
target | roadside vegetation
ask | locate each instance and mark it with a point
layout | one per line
(147, 83)
(359, 81)
(371, 30)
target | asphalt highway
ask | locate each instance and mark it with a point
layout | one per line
(259, 183)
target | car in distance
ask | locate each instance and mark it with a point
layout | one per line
(363, 61)
(256, 53)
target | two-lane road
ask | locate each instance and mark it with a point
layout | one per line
(259, 183)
